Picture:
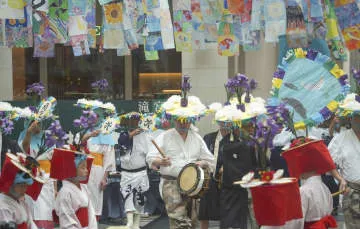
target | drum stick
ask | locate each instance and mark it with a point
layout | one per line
(158, 148)
(337, 193)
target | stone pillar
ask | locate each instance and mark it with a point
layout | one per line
(6, 74)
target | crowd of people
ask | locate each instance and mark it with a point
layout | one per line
(134, 173)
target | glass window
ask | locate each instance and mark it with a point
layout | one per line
(156, 79)
(70, 77)
(26, 70)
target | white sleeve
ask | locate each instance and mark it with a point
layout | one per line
(6, 215)
(153, 153)
(109, 159)
(65, 212)
(335, 149)
(92, 216)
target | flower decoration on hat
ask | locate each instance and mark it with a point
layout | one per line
(88, 121)
(8, 114)
(241, 106)
(350, 105)
(184, 108)
(185, 88)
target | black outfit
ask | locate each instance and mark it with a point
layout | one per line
(154, 204)
(113, 207)
(238, 159)
(209, 208)
(277, 161)
(8, 145)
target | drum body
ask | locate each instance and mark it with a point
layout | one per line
(193, 181)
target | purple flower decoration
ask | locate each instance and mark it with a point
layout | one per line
(100, 85)
(87, 120)
(343, 80)
(311, 54)
(35, 89)
(238, 85)
(6, 124)
(185, 88)
(55, 135)
(253, 84)
(280, 73)
(241, 107)
(282, 116)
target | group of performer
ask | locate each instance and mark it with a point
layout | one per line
(225, 155)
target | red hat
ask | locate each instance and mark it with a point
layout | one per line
(312, 156)
(284, 199)
(63, 164)
(20, 163)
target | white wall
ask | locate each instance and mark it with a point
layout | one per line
(209, 73)
(6, 74)
(261, 66)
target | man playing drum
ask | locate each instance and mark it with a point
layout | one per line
(181, 146)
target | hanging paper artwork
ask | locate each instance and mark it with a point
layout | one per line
(113, 13)
(81, 49)
(275, 20)
(348, 15)
(296, 29)
(43, 47)
(236, 7)
(238, 27)
(153, 42)
(123, 51)
(316, 11)
(211, 10)
(76, 40)
(103, 2)
(183, 41)
(77, 25)
(135, 11)
(12, 9)
(257, 21)
(114, 39)
(40, 5)
(77, 7)
(227, 45)
(59, 9)
(210, 33)
(246, 15)
(181, 4)
(151, 55)
(19, 31)
(90, 18)
(167, 34)
(250, 39)
(59, 29)
(183, 30)
(153, 23)
(152, 4)
(198, 40)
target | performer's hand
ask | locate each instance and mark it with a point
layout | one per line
(165, 162)
(103, 184)
(343, 186)
(95, 133)
(33, 128)
(202, 164)
(135, 132)
(90, 135)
